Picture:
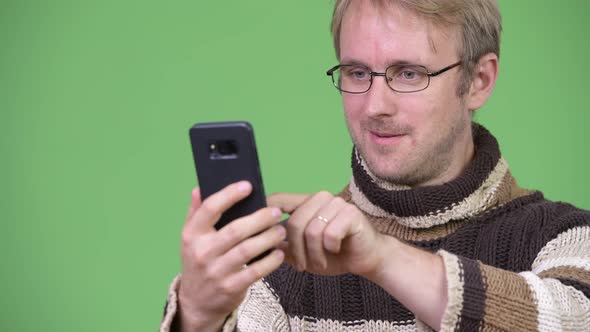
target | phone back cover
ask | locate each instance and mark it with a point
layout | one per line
(215, 174)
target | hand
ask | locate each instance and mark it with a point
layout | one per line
(347, 242)
(327, 235)
(214, 280)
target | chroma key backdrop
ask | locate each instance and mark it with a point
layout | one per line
(97, 96)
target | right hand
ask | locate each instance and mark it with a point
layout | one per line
(214, 277)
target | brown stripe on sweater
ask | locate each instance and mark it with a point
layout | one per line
(389, 227)
(509, 302)
(516, 191)
(567, 272)
(509, 190)
(474, 297)
(570, 276)
(386, 226)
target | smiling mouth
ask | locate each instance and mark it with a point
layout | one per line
(386, 139)
(385, 135)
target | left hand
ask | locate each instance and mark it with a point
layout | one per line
(328, 236)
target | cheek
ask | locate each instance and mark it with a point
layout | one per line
(353, 108)
(414, 110)
(424, 108)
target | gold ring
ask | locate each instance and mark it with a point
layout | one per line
(323, 219)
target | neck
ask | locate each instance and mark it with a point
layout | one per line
(472, 187)
(461, 157)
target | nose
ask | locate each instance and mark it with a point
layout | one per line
(380, 99)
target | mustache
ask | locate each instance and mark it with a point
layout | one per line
(385, 126)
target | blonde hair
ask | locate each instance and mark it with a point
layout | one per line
(478, 22)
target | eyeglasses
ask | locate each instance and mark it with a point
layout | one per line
(401, 78)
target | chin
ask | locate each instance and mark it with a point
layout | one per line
(392, 176)
(393, 171)
(383, 169)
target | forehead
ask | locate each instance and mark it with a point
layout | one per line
(379, 35)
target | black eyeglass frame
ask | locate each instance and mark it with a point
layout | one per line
(384, 74)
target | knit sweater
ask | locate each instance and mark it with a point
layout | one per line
(514, 260)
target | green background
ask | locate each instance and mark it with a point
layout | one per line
(96, 98)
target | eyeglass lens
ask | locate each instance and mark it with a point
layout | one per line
(402, 78)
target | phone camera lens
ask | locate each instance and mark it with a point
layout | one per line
(223, 150)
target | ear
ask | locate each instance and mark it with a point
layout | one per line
(483, 81)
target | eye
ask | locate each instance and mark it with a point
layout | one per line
(356, 73)
(406, 74)
(360, 74)
(409, 75)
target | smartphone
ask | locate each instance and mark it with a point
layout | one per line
(224, 153)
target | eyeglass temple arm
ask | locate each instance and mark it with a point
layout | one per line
(436, 73)
(331, 71)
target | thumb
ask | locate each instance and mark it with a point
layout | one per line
(286, 202)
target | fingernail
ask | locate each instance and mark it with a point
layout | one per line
(244, 186)
(276, 212)
(280, 254)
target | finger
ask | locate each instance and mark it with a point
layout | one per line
(211, 208)
(256, 271)
(195, 203)
(249, 249)
(286, 202)
(297, 224)
(284, 247)
(187, 235)
(314, 233)
(241, 229)
(348, 225)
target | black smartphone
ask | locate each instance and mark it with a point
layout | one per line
(224, 153)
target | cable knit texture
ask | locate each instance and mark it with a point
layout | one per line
(514, 261)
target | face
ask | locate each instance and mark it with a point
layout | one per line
(419, 138)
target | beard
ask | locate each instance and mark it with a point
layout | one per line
(426, 162)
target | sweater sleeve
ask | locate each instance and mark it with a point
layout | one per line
(259, 311)
(171, 308)
(553, 296)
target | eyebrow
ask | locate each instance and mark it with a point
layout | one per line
(356, 62)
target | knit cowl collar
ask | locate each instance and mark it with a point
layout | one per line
(484, 184)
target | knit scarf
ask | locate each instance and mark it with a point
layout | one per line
(486, 183)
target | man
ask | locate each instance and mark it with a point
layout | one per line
(432, 232)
